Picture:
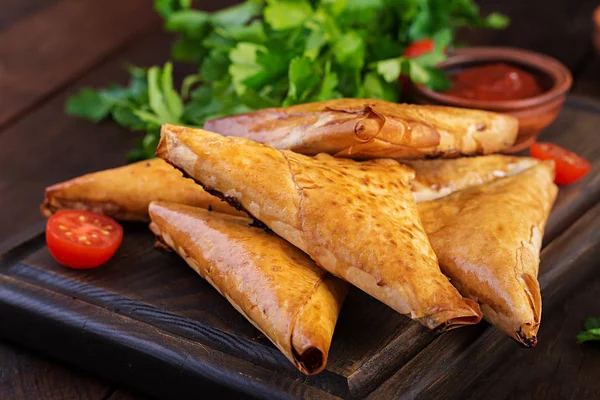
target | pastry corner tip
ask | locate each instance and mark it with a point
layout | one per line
(45, 209)
(312, 361)
(528, 339)
(456, 318)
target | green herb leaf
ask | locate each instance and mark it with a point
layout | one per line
(349, 50)
(193, 22)
(281, 14)
(328, 85)
(377, 88)
(167, 7)
(391, 69)
(303, 79)
(88, 104)
(592, 331)
(237, 15)
(267, 53)
(497, 21)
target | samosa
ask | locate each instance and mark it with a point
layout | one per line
(275, 286)
(488, 240)
(369, 128)
(356, 220)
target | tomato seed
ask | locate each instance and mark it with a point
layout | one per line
(62, 227)
(105, 232)
(82, 218)
(108, 228)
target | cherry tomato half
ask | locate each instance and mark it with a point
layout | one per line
(418, 48)
(82, 239)
(569, 166)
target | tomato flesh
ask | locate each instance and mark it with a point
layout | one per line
(569, 166)
(418, 48)
(82, 239)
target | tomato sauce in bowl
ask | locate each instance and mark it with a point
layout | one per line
(529, 86)
(494, 82)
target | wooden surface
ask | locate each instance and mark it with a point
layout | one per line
(42, 146)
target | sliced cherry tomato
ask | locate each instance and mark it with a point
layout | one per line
(569, 166)
(82, 239)
(418, 48)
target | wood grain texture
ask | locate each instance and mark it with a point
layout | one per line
(559, 368)
(14, 10)
(109, 343)
(53, 381)
(66, 40)
(127, 394)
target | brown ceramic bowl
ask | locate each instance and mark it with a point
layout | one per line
(534, 113)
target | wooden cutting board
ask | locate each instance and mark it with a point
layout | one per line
(148, 320)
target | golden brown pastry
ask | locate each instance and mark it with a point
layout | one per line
(356, 220)
(124, 193)
(488, 240)
(439, 178)
(368, 128)
(275, 286)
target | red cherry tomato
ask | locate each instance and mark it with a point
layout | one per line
(569, 166)
(82, 239)
(418, 48)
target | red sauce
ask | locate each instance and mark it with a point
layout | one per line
(494, 82)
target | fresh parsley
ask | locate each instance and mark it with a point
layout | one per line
(591, 332)
(278, 53)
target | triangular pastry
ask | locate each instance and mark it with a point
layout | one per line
(124, 193)
(356, 220)
(488, 240)
(441, 177)
(369, 128)
(275, 286)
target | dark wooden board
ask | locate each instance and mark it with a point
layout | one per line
(146, 319)
(16, 381)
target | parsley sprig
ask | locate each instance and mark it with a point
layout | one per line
(278, 53)
(591, 332)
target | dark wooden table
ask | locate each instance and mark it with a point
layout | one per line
(50, 48)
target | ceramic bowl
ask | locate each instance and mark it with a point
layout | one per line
(534, 113)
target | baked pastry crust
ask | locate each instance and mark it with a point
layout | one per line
(439, 178)
(124, 193)
(368, 128)
(488, 240)
(356, 220)
(274, 285)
